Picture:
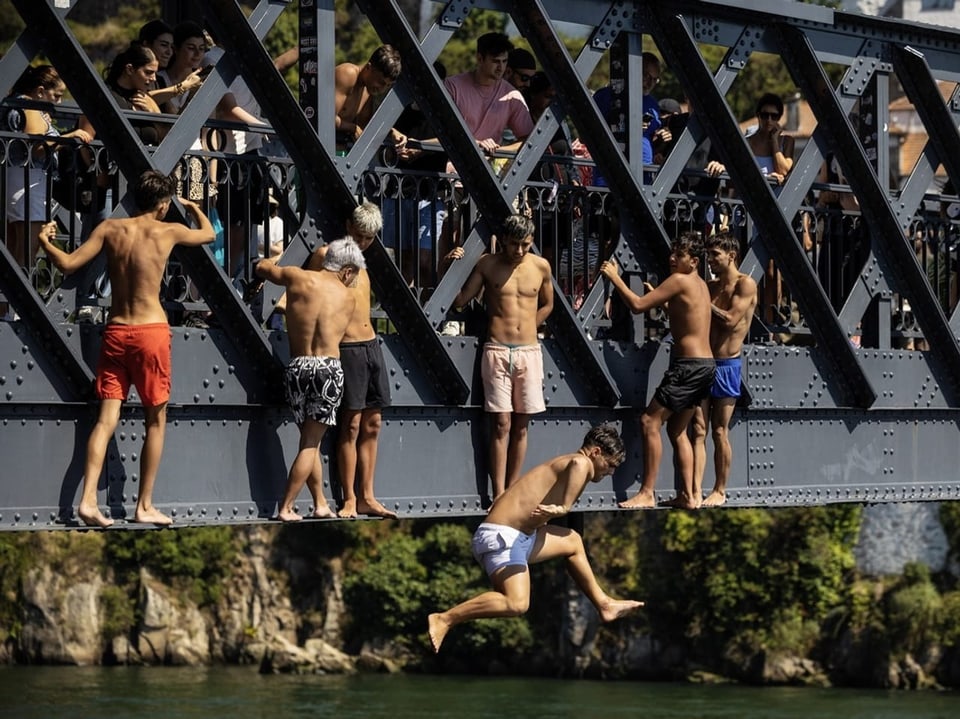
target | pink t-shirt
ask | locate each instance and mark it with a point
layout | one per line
(489, 110)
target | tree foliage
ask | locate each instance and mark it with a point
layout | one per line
(724, 575)
(394, 583)
(196, 558)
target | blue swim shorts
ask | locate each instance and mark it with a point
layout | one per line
(496, 546)
(726, 383)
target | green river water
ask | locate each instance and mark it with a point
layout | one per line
(242, 693)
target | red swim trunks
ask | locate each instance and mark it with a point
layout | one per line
(137, 355)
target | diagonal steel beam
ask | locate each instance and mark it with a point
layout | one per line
(641, 228)
(492, 198)
(322, 179)
(538, 29)
(116, 132)
(452, 131)
(85, 84)
(941, 124)
(849, 379)
(17, 288)
(26, 46)
(893, 249)
(13, 283)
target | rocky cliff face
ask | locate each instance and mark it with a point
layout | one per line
(61, 618)
(253, 622)
(893, 535)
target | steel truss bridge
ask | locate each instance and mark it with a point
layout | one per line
(853, 377)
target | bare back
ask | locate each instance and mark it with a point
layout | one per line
(689, 312)
(352, 98)
(319, 307)
(558, 481)
(360, 328)
(512, 293)
(137, 251)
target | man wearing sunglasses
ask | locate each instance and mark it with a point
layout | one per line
(521, 66)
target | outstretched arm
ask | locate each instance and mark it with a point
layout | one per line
(285, 60)
(203, 234)
(68, 262)
(268, 269)
(190, 83)
(637, 303)
(228, 109)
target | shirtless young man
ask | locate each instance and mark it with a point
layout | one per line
(319, 307)
(356, 88)
(689, 377)
(734, 298)
(366, 388)
(136, 341)
(518, 291)
(515, 534)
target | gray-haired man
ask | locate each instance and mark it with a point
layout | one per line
(319, 307)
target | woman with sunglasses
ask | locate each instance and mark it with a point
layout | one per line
(773, 150)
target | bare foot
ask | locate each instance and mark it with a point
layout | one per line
(438, 629)
(616, 608)
(715, 499)
(348, 510)
(681, 501)
(641, 500)
(92, 517)
(152, 516)
(323, 512)
(373, 508)
(288, 515)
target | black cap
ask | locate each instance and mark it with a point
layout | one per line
(669, 106)
(520, 59)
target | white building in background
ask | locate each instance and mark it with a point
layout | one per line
(930, 12)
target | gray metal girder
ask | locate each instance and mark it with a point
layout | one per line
(891, 246)
(776, 232)
(125, 147)
(493, 199)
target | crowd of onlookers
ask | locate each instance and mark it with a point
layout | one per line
(425, 207)
(70, 179)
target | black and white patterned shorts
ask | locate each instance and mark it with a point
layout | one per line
(313, 388)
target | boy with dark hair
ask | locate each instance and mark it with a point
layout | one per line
(136, 340)
(518, 291)
(690, 375)
(516, 534)
(356, 88)
(733, 297)
(489, 104)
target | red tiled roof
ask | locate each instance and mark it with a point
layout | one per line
(903, 103)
